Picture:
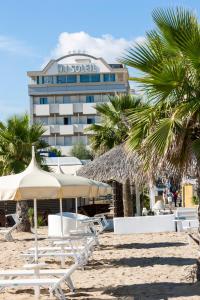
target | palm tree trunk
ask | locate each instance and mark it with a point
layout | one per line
(133, 198)
(22, 212)
(127, 201)
(117, 199)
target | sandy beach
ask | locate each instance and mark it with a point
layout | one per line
(139, 266)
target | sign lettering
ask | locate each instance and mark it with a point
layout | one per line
(77, 68)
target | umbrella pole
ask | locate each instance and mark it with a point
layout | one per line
(76, 212)
(61, 217)
(36, 235)
(37, 289)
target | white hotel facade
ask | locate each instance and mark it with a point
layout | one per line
(64, 94)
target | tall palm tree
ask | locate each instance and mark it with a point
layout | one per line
(169, 59)
(114, 126)
(16, 139)
(113, 131)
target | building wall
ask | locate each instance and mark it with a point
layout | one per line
(64, 94)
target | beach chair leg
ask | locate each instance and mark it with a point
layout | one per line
(37, 292)
(70, 284)
(58, 293)
(8, 237)
(62, 296)
(63, 262)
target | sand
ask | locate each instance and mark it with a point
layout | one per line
(132, 267)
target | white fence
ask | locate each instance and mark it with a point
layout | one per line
(147, 224)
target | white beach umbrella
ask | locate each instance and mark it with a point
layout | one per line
(34, 183)
(77, 186)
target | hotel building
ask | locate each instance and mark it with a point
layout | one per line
(64, 94)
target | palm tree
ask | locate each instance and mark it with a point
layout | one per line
(16, 139)
(114, 126)
(113, 131)
(169, 130)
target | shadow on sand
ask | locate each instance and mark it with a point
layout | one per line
(149, 245)
(150, 291)
(141, 262)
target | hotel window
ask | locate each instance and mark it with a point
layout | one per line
(84, 78)
(109, 77)
(40, 80)
(66, 99)
(95, 78)
(90, 120)
(90, 78)
(67, 140)
(71, 79)
(61, 79)
(67, 121)
(48, 79)
(43, 100)
(89, 99)
(44, 120)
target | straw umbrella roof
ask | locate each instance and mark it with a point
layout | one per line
(116, 164)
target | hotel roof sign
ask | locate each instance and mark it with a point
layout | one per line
(78, 68)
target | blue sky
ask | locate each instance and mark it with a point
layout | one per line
(32, 32)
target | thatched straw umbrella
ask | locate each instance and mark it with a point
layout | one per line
(120, 166)
(116, 164)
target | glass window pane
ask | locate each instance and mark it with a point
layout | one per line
(66, 99)
(43, 100)
(61, 79)
(67, 120)
(48, 79)
(71, 78)
(90, 120)
(67, 140)
(89, 99)
(112, 77)
(95, 78)
(105, 77)
(84, 78)
(109, 77)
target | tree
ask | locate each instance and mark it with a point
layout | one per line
(114, 126)
(113, 131)
(169, 130)
(80, 151)
(16, 139)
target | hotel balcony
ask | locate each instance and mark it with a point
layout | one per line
(89, 109)
(41, 109)
(65, 109)
(55, 128)
(54, 108)
(66, 129)
(78, 128)
(78, 107)
(47, 130)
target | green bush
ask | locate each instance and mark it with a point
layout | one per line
(195, 200)
(40, 221)
(31, 216)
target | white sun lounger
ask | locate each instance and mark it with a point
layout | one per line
(54, 284)
(70, 248)
(7, 231)
(11, 274)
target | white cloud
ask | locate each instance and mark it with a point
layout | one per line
(105, 46)
(14, 46)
